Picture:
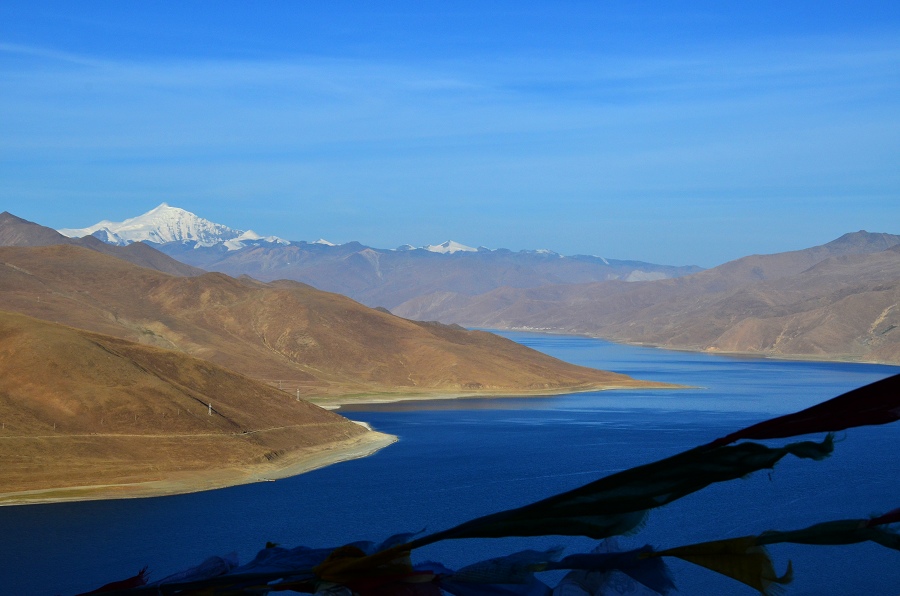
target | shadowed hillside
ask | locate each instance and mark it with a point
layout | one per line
(81, 409)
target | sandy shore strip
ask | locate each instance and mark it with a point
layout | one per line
(336, 401)
(291, 464)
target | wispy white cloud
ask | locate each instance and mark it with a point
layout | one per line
(516, 94)
(46, 54)
(533, 131)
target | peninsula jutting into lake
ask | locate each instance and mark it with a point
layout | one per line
(126, 380)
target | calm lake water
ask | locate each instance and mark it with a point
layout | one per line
(459, 459)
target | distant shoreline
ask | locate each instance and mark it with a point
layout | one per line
(291, 464)
(837, 358)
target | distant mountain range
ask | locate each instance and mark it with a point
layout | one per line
(836, 301)
(840, 300)
(166, 224)
(373, 276)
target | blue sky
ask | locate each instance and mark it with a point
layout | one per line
(670, 132)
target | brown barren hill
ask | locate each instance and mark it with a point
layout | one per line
(83, 415)
(838, 301)
(285, 333)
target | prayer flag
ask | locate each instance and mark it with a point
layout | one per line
(617, 504)
(876, 403)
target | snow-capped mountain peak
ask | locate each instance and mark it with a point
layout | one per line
(165, 224)
(160, 225)
(449, 247)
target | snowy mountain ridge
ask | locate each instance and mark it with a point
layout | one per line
(374, 276)
(165, 224)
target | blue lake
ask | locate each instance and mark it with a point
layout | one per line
(459, 459)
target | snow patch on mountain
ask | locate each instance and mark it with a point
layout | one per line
(449, 247)
(103, 234)
(544, 251)
(249, 238)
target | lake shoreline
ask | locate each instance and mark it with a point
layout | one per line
(291, 464)
(335, 402)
